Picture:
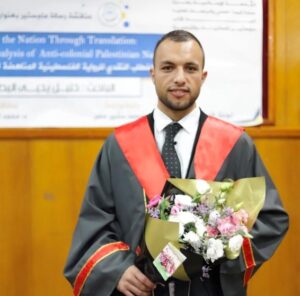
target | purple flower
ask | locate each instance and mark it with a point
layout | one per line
(205, 272)
(154, 213)
(203, 209)
(228, 211)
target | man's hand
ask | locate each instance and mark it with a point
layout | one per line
(134, 283)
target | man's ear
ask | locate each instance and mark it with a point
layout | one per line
(152, 74)
(203, 78)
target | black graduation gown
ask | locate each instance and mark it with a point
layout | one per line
(111, 221)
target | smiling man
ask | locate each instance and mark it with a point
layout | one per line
(177, 139)
(178, 75)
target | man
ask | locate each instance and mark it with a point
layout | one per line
(130, 165)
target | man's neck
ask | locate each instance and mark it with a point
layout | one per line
(175, 115)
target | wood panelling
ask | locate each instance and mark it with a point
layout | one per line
(59, 171)
(287, 62)
(42, 184)
(280, 276)
(42, 181)
(293, 63)
(15, 217)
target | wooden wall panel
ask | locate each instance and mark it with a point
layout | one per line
(15, 217)
(60, 170)
(293, 62)
(42, 184)
(287, 62)
(280, 276)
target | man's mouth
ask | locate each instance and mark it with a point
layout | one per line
(178, 92)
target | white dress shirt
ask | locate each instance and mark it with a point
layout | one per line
(184, 138)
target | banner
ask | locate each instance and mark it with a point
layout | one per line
(86, 64)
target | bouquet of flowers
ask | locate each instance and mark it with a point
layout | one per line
(206, 221)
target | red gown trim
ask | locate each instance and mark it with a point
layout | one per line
(248, 259)
(98, 256)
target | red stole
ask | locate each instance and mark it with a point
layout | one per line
(138, 144)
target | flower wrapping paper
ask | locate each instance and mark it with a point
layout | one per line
(247, 193)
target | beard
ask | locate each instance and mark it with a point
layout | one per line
(177, 105)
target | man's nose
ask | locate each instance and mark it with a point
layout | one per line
(179, 76)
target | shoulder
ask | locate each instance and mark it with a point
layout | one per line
(227, 132)
(219, 125)
(125, 133)
(246, 141)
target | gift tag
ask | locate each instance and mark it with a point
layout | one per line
(168, 260)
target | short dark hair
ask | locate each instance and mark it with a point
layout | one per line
(178, 36)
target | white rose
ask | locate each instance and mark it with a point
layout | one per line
(214, 249)
(186, 217)
(193, 239)
(200, 227)
(202, 186)
(235, 243)
(173, 218)
(213, 217)
(183, 200)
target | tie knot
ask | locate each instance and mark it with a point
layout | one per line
(172, 129)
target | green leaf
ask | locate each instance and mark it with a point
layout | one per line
(163, 209)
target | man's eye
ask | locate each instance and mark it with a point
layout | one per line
(192, 69)
(167, 68)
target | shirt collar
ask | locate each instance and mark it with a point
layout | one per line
(188, 123)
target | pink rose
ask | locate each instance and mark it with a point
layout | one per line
(212, 231)
(240, 217)
(175, 210)
(226, 227)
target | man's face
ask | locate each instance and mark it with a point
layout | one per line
(178, 76)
